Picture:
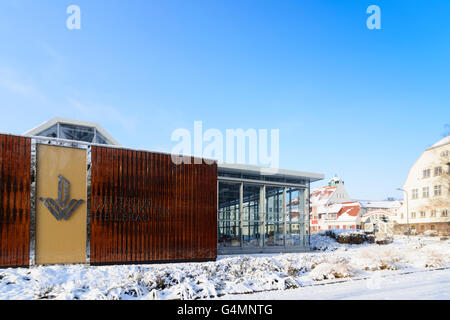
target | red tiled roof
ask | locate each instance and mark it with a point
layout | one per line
(350, 208)
(321, 195)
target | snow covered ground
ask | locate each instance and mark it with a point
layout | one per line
(425, 285)
(235, 275)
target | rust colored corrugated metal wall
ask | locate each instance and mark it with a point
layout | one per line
(15, 184)
(144, 208)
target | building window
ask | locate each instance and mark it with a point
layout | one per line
(433, 227)
(274, 235)
(415, 193)
(51, 132)
(444, 213)
(413, 215)
(402, 216)
(438, 171)
(433, 213)
(422, 214)
(444, 153)
(437, 190)
(229, 229)
(252, 227)
(426, 173)
(425, 192)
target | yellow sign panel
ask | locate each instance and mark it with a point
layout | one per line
(60, 205)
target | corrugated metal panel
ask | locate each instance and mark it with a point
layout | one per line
(144, 208)
(15, 185)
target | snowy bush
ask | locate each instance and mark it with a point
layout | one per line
(337, 270)
(227, 275)
(351, 237)
(343, 236)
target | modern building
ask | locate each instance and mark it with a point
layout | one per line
(427, 190)
(69, 193)
(76, 130)
(258, 212)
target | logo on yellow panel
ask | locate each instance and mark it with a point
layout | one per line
(62, 208)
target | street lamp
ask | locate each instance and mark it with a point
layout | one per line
(407, 209)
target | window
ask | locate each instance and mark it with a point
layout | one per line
(426, 173)
(402, 216)
(438, 171)
(413, 215)
(425, 192)
(444, 153)
(100, 138)
(332, 216)
(433, 214)
(51, 132)
(252, 228)
(444, 213)
(437, 190)
(422, 214)
(78, 133)
(415, 193)
(433, 227)
(229, 230)
(274, 235)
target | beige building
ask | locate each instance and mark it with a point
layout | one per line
(428, 190)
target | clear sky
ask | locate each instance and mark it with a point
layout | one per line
(347, 100)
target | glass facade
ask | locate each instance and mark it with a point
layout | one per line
(229, 228)
(259, 217)
(74, 132)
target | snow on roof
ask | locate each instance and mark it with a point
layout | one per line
(442, 142)
(381, 204)
(321, 195)
(333, 208)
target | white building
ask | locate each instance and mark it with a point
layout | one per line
(332, 208)
(428, 191)
(380, 216)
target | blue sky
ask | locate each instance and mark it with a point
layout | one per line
(347, 100)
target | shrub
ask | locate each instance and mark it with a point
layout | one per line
(384, 241)
(351, 237)
(370, 238)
